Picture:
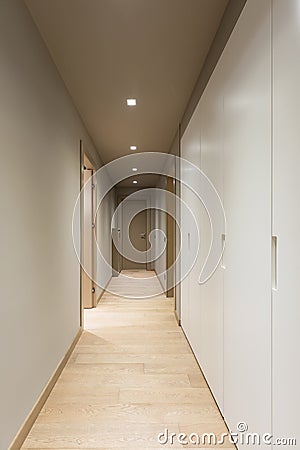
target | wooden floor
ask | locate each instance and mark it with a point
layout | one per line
(131, 375)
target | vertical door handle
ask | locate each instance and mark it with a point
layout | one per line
(223, 239)
(274, 263)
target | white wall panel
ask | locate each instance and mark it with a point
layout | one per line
(286, 218)
(211, 293)
(202, 310)
(247, 202)
(190, 150)
(202, 306)
(231, 132)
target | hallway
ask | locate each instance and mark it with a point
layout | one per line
(131, 375)
(159, 135)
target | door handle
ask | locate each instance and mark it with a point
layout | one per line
(143, 235)
(274, 263)
(223, 239)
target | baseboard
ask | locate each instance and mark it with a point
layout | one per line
(103, 290)
(160, 282)
(32, 416)
(177, 318)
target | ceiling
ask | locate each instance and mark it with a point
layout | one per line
(109, 50)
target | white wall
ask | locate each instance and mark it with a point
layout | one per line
(40, 133)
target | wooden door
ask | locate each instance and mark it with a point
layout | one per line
(137, 233)
(88, 290)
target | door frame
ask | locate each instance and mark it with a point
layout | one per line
(81, 158)
(84, 161)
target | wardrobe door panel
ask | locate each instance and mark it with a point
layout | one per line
(190, 151)
(210, 300)
(247, 201)
(203, 324)
(286, 218)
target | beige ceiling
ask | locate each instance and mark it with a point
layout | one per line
(110, 50)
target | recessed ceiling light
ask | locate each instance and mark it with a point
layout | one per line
(134, 182)
(131, 102)
(133, 147)
(134, 169)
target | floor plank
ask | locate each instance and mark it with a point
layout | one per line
(131, 376)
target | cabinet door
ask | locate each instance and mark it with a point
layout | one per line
(286, 218)
(202, 305)
(190, 151)
(247, 202)
(210, 301)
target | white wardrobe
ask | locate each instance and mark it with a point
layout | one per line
(286, 218)
(244, 323)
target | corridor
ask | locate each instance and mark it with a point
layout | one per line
(150, 222)
(131, 376)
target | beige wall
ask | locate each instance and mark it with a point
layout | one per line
(40, 133)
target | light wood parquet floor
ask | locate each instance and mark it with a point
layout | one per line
(131, 375)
